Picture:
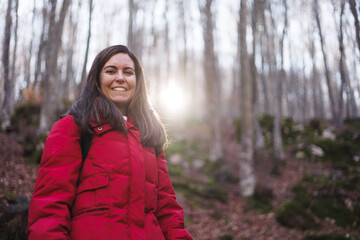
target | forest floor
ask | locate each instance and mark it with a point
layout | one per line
(235, 220)
(212, 220)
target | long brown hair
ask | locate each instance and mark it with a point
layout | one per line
(93, 105)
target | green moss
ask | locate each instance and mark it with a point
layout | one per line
(302, 195)
(178, 147)
(204, 190)
(331, 236)
(175, 170)
(266, 122)
(289, 132)
(333, 207)
(260, 202)
(293, 214)
(341, 154)
(237, 124)
(218, 171)
(27, 113)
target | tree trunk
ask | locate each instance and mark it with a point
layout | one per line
(277, 138)
(83, 74)
(70, 87)
(335, 119)
(30, 52)
(49, 93)
(13, 66)
(40, 54)
(264, 39)
(167, 65)
(247, 176)
(213, 84)
(318, 103)
(259, 137)
(5, 113)
(356, 20)
(134, 34)
(345, 81)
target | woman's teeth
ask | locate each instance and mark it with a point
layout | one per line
(119, 89)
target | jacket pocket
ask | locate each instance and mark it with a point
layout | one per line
(93, 182)
(87, 193)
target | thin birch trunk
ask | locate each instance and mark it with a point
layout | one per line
(5, 112)
(40, 54)
(13, 66)
(83, 73)
(335, 119)
(213, 84)
(49, 101)
(352, 4)
(247, 176)
(345, 81)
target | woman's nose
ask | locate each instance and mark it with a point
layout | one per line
(120, 76)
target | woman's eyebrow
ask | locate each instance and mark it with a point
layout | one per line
(129, 68)
(109, 66)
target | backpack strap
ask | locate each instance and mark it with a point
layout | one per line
(85, 143)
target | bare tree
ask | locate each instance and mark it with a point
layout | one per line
(335, 119)
(13, 76)
(277, 138)
(356, 20)
(49, 94)
(265, 79)
(41, 51)
(29, 53)
(213, 84)
(167, 43)
(247, 176)
(83, 74)
(135, 38)
(5, 113)
(70, 88)
(317, 93)
(183, 26)
(345, 79)
(259, 138)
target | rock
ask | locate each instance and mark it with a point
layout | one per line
(13, 217)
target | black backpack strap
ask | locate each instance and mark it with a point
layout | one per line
(85, 143)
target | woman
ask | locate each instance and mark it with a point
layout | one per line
(122, 189)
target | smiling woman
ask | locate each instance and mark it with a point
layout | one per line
(121, 190)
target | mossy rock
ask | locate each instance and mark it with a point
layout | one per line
(28, 113)
(261, 201)
(302, 195)
(178, 147)
(333, 207)
(175, 170)
(341, 154)
(294, 215)
(266, 122)
(330, 236)
(218, 171)
(289, 132)
(226, 236)
(193, 188)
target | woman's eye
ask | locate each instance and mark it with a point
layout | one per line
(109, 71)
(128, 73)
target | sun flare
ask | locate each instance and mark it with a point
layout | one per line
(173, 99)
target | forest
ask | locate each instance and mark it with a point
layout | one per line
(260, 99)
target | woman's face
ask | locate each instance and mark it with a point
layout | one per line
(118, 80)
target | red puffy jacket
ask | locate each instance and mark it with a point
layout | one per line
(124, 190)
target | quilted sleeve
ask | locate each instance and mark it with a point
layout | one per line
(169, 213)
(49, 212)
